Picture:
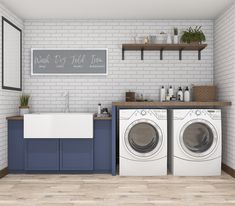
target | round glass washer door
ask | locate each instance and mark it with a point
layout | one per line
(143, 138)
(198, 138)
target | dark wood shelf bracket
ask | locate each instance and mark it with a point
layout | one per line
(161, 54)
(123, 53)
(180, 53)
(199, 54)
(142, 54)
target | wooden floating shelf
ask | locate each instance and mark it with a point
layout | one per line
(162, 47)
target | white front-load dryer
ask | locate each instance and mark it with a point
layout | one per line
(195, 142)
(142, 142)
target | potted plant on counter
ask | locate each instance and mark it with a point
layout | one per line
(193, 36)
(24, 104)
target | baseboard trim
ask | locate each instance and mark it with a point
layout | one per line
(228, 170)
(3, 172)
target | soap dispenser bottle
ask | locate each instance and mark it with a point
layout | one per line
(180, 96)
(187, 95)
(162, 94)
(99, 110)
(171, 91)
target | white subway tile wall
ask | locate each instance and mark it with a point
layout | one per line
(224, 75)
(131, 74)
(9, 100)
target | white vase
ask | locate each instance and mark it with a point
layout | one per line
(24, 110)
(161, 39)
(176, 39)
(169, 40)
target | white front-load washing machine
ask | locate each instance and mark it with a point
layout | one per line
(142, 142)
(195, 142)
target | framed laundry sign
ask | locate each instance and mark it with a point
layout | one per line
(69, 61)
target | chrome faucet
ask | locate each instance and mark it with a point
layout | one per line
(66, 95)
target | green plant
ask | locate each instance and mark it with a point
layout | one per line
(175, 31)
(193, 35)
(24, 100)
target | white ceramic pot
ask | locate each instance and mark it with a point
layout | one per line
(152, 39)
(161, 39)
(24, 110)
(169, 40)
(176, 39)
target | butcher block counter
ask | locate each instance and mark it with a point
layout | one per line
(173, 104)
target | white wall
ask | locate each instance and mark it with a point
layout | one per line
(9, 100)
(224, 76)
(141, 76)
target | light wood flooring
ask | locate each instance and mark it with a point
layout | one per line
(71, 190)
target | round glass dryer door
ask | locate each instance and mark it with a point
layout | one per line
(143, 139)
(198, 138)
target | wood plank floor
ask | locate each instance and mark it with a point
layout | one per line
(72, 190)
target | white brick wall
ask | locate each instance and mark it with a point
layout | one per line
(8, 99)
(141, 76)
(224, 75)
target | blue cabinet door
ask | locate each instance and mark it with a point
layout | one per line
(42, 154)
(103, 146)
(76, 154)
(15, 146)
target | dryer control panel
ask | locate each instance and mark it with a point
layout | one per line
(197, 113)
(126, 114)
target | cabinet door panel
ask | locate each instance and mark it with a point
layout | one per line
(102, 146)
(76, 154)
(42, 154)
(15, 145)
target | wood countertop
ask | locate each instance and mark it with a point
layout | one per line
(172, 104)
(155, 104)
(15, 118)
(102, 118)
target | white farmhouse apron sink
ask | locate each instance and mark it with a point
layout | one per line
(58, 125)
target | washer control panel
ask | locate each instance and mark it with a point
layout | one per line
(160, 114)
(198, 113)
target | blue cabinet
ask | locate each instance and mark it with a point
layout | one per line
(42, 154)
(76, 154)
(67, 155)
(15, 146)
(102, 146)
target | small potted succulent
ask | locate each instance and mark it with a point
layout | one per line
(176, 37)
(24, 104)
(193, 35)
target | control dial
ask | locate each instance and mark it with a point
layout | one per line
(143, 112)
(198, 112)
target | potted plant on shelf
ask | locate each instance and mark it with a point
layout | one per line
(193, 36)
(176, 37)
(24, 104)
